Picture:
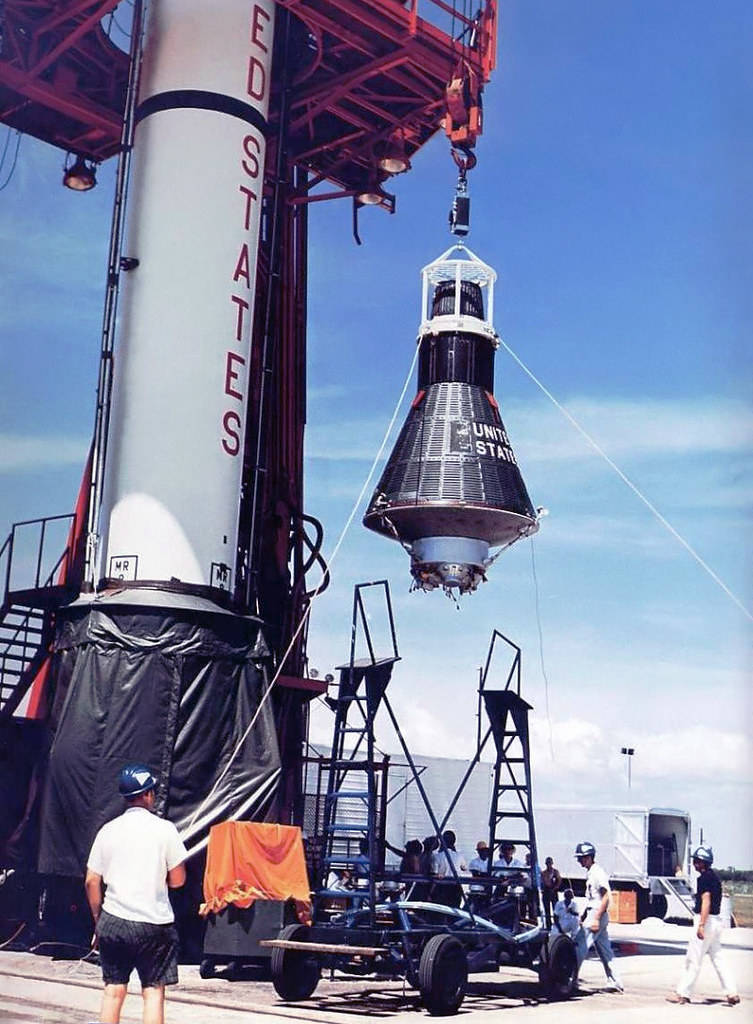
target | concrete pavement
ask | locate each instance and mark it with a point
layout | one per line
(40, 990)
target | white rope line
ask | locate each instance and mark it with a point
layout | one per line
(652, 508)
(330, 560)
(541, 651)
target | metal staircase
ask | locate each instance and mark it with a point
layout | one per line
(25, 634)
(355, 803)
(679, 896)
(31, 593)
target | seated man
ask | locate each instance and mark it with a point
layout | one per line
(504, 869)
(566, 915)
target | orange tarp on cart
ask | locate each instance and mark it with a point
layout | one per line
(251, 860)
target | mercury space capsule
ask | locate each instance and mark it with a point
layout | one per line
(451, 491)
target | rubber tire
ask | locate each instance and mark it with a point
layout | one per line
(558, 974)
(442, 975)
(295, 974)
(207, 968)
(658, 907)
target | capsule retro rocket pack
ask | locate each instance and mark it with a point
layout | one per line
(452, 490)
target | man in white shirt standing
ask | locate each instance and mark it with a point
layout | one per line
(479, 867)
(135, 858)
(446, 890)
(596, 915)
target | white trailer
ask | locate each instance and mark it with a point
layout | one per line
(641, 848)
(646, 849)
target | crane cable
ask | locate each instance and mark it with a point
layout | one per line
(7, 181)
(626, 480)
(550, 731)
(304, 617)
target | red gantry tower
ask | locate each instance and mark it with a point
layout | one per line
(170, 608)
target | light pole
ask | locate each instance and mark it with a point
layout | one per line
(628, 751)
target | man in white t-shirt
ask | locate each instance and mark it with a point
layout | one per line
(507, 860)
(133, 862)
(479, 893)
(596, 915)
(446, 890)
(504, 868)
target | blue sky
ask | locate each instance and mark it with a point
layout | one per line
(612, 196)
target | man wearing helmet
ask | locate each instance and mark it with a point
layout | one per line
(708, 929)
(135, 859)
(596, 915)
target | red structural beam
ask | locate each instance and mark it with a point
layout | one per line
(61, 79)
(377, 65)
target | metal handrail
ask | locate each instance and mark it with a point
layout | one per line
(22, 627)
(9, 544)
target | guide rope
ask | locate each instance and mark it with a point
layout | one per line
(626, 480)
(330, 561)
(541, 649)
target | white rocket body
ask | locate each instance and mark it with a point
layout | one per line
(183, 350)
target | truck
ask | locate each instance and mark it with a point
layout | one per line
(645, 850)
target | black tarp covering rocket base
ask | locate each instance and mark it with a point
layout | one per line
(174, 685)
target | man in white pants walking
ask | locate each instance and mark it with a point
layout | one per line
(596, 916)
(708, 930)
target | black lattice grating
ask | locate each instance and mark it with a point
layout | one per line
(437, 457)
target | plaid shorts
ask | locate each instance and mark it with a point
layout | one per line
(152, 949)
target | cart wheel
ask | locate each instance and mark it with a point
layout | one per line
(206, 968)
(233, 970)
(442, 975)
(559, 972)
(295, 974)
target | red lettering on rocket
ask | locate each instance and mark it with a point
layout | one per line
(250, 198)
(252, 149)
(231, 421)
(242, 268)
(231, 375)
(258, 26)
(251, 161)
(242, 307)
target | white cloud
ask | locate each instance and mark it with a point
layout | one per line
(33, 453)
(329, 392)
(693, 753)
(613, 532)
(346, 440)
(629, 428)
(697, 752)
(624, 429)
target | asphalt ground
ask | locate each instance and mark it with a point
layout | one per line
(42, 990)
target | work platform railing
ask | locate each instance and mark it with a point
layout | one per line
(37, 577)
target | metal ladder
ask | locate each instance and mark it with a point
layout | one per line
(511, 811)
(355, 802)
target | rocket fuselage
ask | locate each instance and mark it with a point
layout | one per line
(183, 351)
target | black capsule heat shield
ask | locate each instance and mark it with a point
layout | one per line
(452, 488)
